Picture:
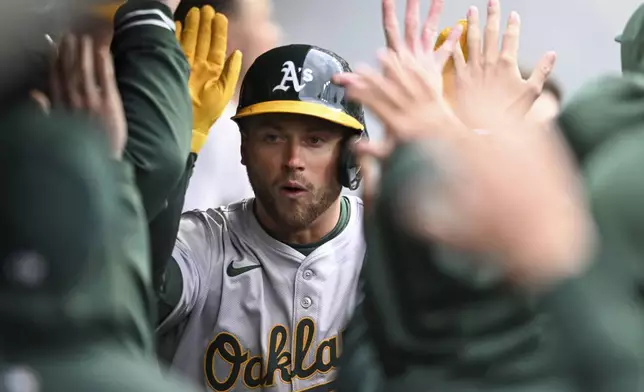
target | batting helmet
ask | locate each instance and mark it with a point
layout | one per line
(297, 79)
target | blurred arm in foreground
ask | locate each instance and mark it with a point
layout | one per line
(478, 208)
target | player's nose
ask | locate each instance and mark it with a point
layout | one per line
(293, 159)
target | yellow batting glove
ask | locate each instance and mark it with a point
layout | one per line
(213, 78)
(108, 10)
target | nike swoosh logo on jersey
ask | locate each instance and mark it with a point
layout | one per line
(232, 271)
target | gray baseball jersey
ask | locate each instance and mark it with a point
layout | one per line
(259, 314)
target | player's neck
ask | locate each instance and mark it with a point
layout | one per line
(322, 226)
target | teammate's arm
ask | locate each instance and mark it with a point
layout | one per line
(212, 83)
(164, 229)
(606, 344)
(152, 74)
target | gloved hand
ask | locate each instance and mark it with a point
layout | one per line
(213, 78)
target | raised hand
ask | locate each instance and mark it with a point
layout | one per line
(428, 54)
(82, 80)
(407, 97)
(213, 78)
(419, 45)
(490, 74)
(512, 194)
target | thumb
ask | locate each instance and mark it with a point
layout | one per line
(232, 68)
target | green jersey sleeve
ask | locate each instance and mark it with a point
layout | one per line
(152, 74)
(601, 313)
(445, 313)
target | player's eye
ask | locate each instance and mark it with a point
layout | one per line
(271, 138)
(315, 141)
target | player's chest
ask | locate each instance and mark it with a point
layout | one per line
(279, 326)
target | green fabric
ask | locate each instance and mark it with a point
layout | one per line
(343, 221)
(631, 40)
(99, 367)
(56, 206)
(131, 260)
(85, 205)
(168, 281)
(441, 318)
(152, 75)
(604, 125)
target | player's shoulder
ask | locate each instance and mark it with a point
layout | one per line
(219, 221)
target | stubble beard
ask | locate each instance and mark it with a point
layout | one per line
(296, 214)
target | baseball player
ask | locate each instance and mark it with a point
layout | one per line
(256, 294)
(261, 290)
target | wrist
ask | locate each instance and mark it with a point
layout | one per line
(199, 138)
(171, 4)
(551, 257)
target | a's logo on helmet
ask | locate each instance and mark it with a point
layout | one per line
(290, 75)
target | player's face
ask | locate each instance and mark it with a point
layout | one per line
(292, 165)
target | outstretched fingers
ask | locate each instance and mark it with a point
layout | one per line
(510, 45)
(430, 30)
(378, 94)
(473, 36)
(541, 72)
(492, 29)
(390, 25)
(412, 16)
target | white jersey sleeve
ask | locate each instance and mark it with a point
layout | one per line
(197, 251)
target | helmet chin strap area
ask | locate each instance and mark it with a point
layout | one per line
(350, 163)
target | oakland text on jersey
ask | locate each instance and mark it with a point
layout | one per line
(258, 371)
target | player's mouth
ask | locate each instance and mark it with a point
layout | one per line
(293, 189)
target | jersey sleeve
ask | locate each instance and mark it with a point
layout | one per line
(425, 300)
(602, 311)
(152, 75)
(196, 254)
(132, 252)
(409, 177)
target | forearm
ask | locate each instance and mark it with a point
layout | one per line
(425, 185)
(601, 329)
(152, 75)
(164, 228)
(132, 256)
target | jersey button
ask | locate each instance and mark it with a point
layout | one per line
(306, 302)
(308, 274)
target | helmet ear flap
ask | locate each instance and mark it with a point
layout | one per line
(350, 174)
